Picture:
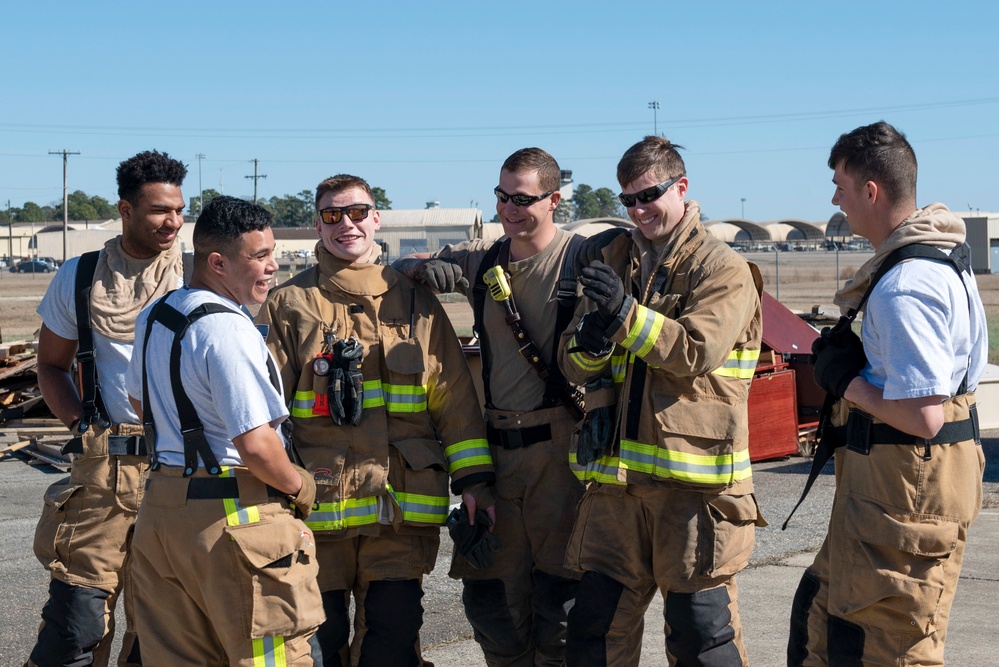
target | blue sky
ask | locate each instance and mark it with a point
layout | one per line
(426, 99)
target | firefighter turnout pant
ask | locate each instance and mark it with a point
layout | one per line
(881, 587)
(518, 607)
(631, 540)
(223, 573)
(83, 539)
(384, 573)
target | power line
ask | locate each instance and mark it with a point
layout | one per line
(255, 178)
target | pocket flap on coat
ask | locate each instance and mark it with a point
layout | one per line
(58, 493)
(421, 453)
(921, 534)
(704, 419)
(403, 355)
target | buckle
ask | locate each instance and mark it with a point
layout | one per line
(512, 438)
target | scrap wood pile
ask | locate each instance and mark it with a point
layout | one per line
(26, 425)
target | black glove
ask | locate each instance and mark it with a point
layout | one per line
(475, 543)
(595, 434)
(591, 249)
(441, 275)
(345, 391)
(605, 287)
(838, 357)
(590, 337)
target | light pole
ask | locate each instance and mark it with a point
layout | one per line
(743, 216)
(655, 119)
(201, 191)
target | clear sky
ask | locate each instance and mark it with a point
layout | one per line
(426, 99)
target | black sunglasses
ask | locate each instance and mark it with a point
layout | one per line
(648, 195)
(334, 214)
(520, 200)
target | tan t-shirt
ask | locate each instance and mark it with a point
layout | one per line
(514, 383)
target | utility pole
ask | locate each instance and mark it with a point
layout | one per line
(65, 197)
(255, 178)
(743, 216)
(201, 190)
(655, 120)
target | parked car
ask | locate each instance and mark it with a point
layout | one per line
(34, 266)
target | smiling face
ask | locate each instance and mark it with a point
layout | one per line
(527, 224)
(249, 270)
(348, 240)
(658, 218)
(150, 223)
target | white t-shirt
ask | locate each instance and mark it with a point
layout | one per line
(920, 335)
(58, 313)
(224, 372)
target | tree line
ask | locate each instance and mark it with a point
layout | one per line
(298, 210)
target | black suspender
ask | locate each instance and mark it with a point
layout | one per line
(94, 410)
(191, 427)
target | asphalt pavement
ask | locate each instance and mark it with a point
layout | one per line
(765, 588)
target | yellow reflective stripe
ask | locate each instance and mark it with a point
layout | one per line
(373, 396)
(467, 453)
(619, 365)
(405, 397)
(302, 402)
(586, 362)
(421, 508)
(685, 466)
(603, 470)
(347, 513)
(269, 652)
(740, 364)
(235, 514)
(644, 332)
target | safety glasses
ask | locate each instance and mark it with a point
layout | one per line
(520, 200)
(648, 195)
(334, 214)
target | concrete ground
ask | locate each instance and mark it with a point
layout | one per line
(766, 588)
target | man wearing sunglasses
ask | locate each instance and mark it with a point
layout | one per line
(671, 506)
(517, 606)
(384, 412)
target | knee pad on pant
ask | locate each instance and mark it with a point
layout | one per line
(75, 622)
(553, 596)
(846, 643)
(488, 612)
(393, 617)
(590, 618)
(797, 639)
(700, 631)
(332, 635)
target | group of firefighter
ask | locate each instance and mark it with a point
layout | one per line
(246, 484)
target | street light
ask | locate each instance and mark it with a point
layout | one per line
(743, 216)
(201, 191)
(655, 120)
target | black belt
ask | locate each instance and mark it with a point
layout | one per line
(515, 438)
(216, 488)
(866, 433)
(118, 445)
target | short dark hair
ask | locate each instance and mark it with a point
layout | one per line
(878, 153)
(224, 220)
(148, 167)
(527, 160)
(339, 183)
(652, 154)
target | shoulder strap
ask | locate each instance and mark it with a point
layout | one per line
(90, 388)
(555, 383)
(191, 427)
(478, 304)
